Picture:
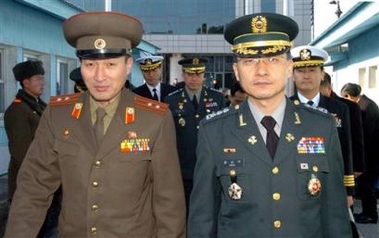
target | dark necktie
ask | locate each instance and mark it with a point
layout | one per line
(99, 125)
(155, 95)
(310, 103)
(194, 102)
(271, 139)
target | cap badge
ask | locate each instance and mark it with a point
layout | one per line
(259, 24)
(305, 54)
(195, 61)
(100, 44)
(148, 61)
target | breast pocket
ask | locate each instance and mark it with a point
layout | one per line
(135, 157)
(312, 172)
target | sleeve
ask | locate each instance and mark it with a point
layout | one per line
(38, 179)
(334, 210)
(357, 138)
(206, 194)
(168, 199)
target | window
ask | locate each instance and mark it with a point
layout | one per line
(62, 77)
(2, 85)
(372, 76)
(362, 77)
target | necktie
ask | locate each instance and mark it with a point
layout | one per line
(99, 125)
(310, 103)
(272, 139)
(155, 95)
(194, 102)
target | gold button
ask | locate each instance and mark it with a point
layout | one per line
(276, 196)
(277, 224)
(197, 115)
(93, 230)
(95, 207)
(315, 168)
(275, 170)
(95, 184)
(197, 127)
(97, 163)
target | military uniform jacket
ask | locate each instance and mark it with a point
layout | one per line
(187, 122)
(144, 91)
(128, 186)
(341, 114)
(21, 121)
(298, 194)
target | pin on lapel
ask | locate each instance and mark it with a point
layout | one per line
(252, 140)
(77, 110)
(66, 133)
(297, 118)
(229, 150)
(242, 122)
(289, 137)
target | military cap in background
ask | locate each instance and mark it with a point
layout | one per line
(193, 65)
(76, 76)
(102, 34)
(148, 61)
(261, 34)
(27, 69)
(308, 56)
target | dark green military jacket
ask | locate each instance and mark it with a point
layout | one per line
(241, 192)
(21, 121)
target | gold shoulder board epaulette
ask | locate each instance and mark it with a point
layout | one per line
(151, 105)
(17, 100)
(64, 99)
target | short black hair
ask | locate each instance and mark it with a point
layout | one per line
(236, 87)
(352, 89)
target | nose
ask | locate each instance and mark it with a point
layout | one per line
(99, 73)
(261, 68)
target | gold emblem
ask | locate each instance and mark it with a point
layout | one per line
(297, 118)
(100, 44)
(242, 123)
(305, 54)
(289, 137)
(195, 61)
(259, 24)
(182, 122)
(314, 185)
(252, 140)
(66, 133)
(181, 106)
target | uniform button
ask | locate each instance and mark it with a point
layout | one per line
(93, 230)
(97, 163)
(95, 207)
(275, 170)
(315, 168)
(197, 127)
(277, 224)
(276, 196)
(197, 115)
(95, 184)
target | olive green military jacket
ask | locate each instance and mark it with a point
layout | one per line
(128, 186)
(20, 121)
(240, 191)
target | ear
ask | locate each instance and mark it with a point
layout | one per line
(235, 69)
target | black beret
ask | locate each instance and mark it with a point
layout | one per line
(27, 69)
(193, 65)
(102, 34)
(261, 34)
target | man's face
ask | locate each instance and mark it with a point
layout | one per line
(152, 77)
(105, 78)
(34, 85)
(308, 79)
(263, 78)
(193, 81)
(238, 98)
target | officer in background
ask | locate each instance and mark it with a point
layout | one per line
(112, 151)
(76, 76)
(268, 167)
(189, 105)
(153, 88)
(308, 72)
(21, 120)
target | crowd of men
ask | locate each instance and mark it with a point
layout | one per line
(164, 161)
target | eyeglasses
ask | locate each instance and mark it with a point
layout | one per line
(273, 60)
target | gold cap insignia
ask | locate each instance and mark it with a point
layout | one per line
(148, 61)
(195, 61)
(305, 54)
(259, 24)
(100, 44)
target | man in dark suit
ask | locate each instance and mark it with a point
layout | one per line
(355, 125)
(112, 151)
(268, 167)
(308, 72)
(153, 88)
(189, 105)
(368, 180)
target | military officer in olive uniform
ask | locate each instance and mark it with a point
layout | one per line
(113, 151)
(268, 167)
(189, 105)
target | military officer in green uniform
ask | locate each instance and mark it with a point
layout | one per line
(113, 151)
(268, 167)
(189, 105)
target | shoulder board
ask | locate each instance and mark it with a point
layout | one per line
(219, 114)
(64, 99)
(214, 90)
(150, 105)
(175, 92)
(17, 101)
(315, 110)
